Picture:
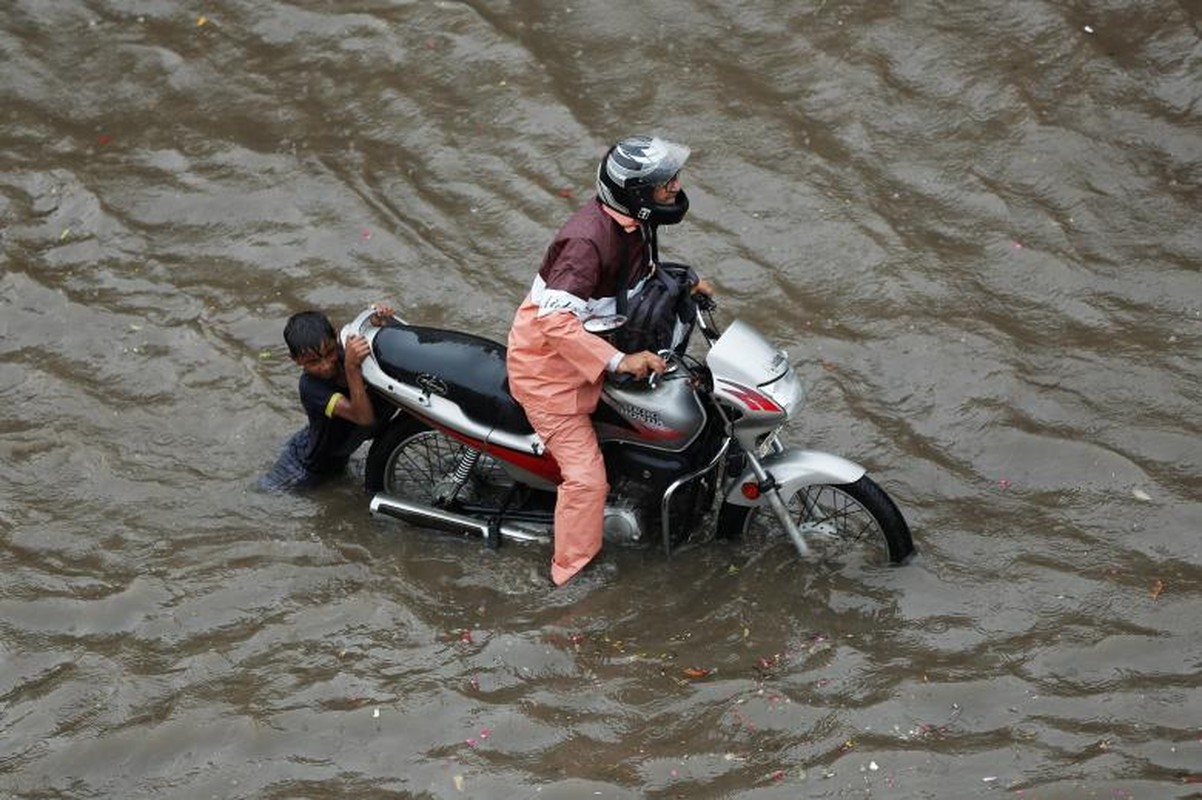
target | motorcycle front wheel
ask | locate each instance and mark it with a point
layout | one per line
(835, 518)
(413, 461)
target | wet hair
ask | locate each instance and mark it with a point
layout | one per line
(306, 332)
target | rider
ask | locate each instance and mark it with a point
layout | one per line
(556, 368)
(342, 413)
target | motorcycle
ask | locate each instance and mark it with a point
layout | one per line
(458, 453)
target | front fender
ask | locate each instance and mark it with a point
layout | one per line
(793, 469)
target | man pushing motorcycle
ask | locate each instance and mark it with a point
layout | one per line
(557, 368)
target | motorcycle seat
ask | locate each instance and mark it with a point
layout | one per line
(466, 369)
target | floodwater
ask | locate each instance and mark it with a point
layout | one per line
(974, 226)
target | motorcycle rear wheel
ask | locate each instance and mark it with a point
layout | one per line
(835, 518)
(413, 461)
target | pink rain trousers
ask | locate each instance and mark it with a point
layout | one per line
(555, 371)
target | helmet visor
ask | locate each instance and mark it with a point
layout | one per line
(644, 161)
(668, 159)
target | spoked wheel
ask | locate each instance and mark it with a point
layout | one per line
(835, 519)
(411, 460)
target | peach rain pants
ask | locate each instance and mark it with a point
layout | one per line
(556, 370)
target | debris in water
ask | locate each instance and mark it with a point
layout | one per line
(1088, 29)
(1140, 494)
(1157, 588)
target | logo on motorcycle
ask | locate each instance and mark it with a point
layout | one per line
(645, 415)
(432, 384)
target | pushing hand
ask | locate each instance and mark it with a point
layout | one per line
(357, 349)
(381, 314)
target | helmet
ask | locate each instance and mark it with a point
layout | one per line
(629, 173)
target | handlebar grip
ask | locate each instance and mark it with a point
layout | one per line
(705, 302)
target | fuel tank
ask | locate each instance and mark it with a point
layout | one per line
(669, 416)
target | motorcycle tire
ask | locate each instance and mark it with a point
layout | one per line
(836, 517)
(386, 448)
(412, 460)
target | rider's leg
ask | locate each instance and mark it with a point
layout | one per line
(580, 502)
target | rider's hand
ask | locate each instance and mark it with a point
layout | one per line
(641, 364)
(703, 287)
(357, 349)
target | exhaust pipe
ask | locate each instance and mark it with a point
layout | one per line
(386, 505)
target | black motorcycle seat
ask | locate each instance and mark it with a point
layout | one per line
(466, 369)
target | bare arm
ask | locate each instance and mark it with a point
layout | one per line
(357, 408)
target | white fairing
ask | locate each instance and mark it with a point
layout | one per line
(743, 359)
(743, 355)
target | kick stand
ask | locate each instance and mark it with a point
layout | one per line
(493, 537)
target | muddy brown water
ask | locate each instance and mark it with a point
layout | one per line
(975, 227)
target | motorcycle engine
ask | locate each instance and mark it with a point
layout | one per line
(626, 517)
(622, 525)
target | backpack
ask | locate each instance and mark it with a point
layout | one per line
(661, 315)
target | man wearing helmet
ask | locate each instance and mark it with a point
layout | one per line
(556, 368)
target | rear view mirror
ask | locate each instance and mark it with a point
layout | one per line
(604, 323)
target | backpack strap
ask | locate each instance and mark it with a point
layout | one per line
(620, 299)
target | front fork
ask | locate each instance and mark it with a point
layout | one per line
(769, 487)
(783, 472)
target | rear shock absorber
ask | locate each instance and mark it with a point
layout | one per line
(447, 488)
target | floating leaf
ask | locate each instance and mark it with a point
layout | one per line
(696, 673)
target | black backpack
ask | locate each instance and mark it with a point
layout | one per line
(652, 315)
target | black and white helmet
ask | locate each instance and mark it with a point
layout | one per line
(629, 173)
